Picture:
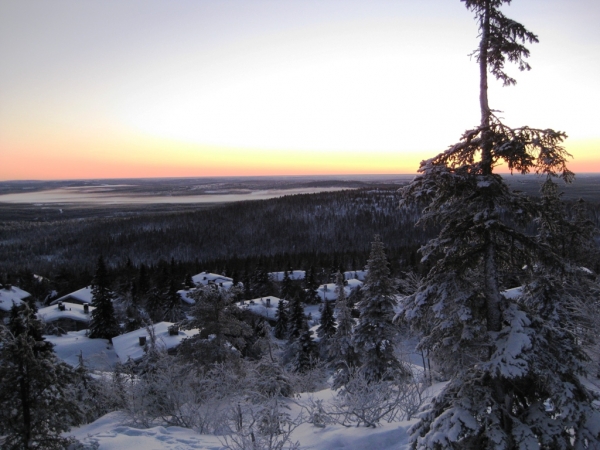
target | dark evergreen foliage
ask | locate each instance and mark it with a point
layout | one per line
(327, 324)
(341, 349)
(374, 335)
(287, 287)
(188, 283)
(103, 323)
(304, 351)
(260, 283)
(223, 333)
(37, 403)
(281, 325)
(316, 225)
(512, 361)
(173, 311)
(296, 320)
(311, 285)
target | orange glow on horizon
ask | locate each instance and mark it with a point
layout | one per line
(83, 157)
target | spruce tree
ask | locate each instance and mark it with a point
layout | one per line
(37, 403)
(173, 311)
(375, 333)
(103, 323)
(143, 282)
(512, 363)
(156, 302)
(304, 350)
(311, 285)
(326, 328)
(188, 282)
(287, 287)
(341, 349)
(327, 323)
(281, 325)
(260, 283)
(296, 318)
(220, 322)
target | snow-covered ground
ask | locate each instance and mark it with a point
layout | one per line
(111, 432)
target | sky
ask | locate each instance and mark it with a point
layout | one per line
(132, 88)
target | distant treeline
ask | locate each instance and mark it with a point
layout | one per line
(327, 231)
(323, 230)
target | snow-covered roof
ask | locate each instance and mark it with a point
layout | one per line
(259, 306)
(127, 346)
(97, 353)
(327, 291)
(13, 295)
(185, 296)
(72, 311)
(513, 293)
(355, 275)
(83, 295)
(300, 274)
(206, 278)
(294, 275)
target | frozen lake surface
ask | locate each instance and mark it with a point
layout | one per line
(105, 196)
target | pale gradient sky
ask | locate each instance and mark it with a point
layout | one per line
(109, 89)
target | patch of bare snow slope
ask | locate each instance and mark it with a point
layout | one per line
(388, 436)
(111, 433)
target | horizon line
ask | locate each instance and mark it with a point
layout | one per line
(321, 176)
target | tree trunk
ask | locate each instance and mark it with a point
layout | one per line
(491, 290)
(486, 147)
(24, 391)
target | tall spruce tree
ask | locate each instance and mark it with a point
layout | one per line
(296, 319)
(375, 332)
(260, 283)
(37, 402)
(304, 351)
(327, 323)
(173, 310)
(512, 363)
(326, 329)
(341, 349)
(287, 287)
(222, 329)
(311, 285)
(281, 325)
(103, 323)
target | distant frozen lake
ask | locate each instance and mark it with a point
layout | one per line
(106, 197)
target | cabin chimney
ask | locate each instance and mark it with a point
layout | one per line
(142, 340)
(86, 308)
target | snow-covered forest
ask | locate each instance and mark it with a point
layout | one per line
(454, 313)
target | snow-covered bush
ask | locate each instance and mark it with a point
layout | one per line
(366, 402)
(264, 426)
